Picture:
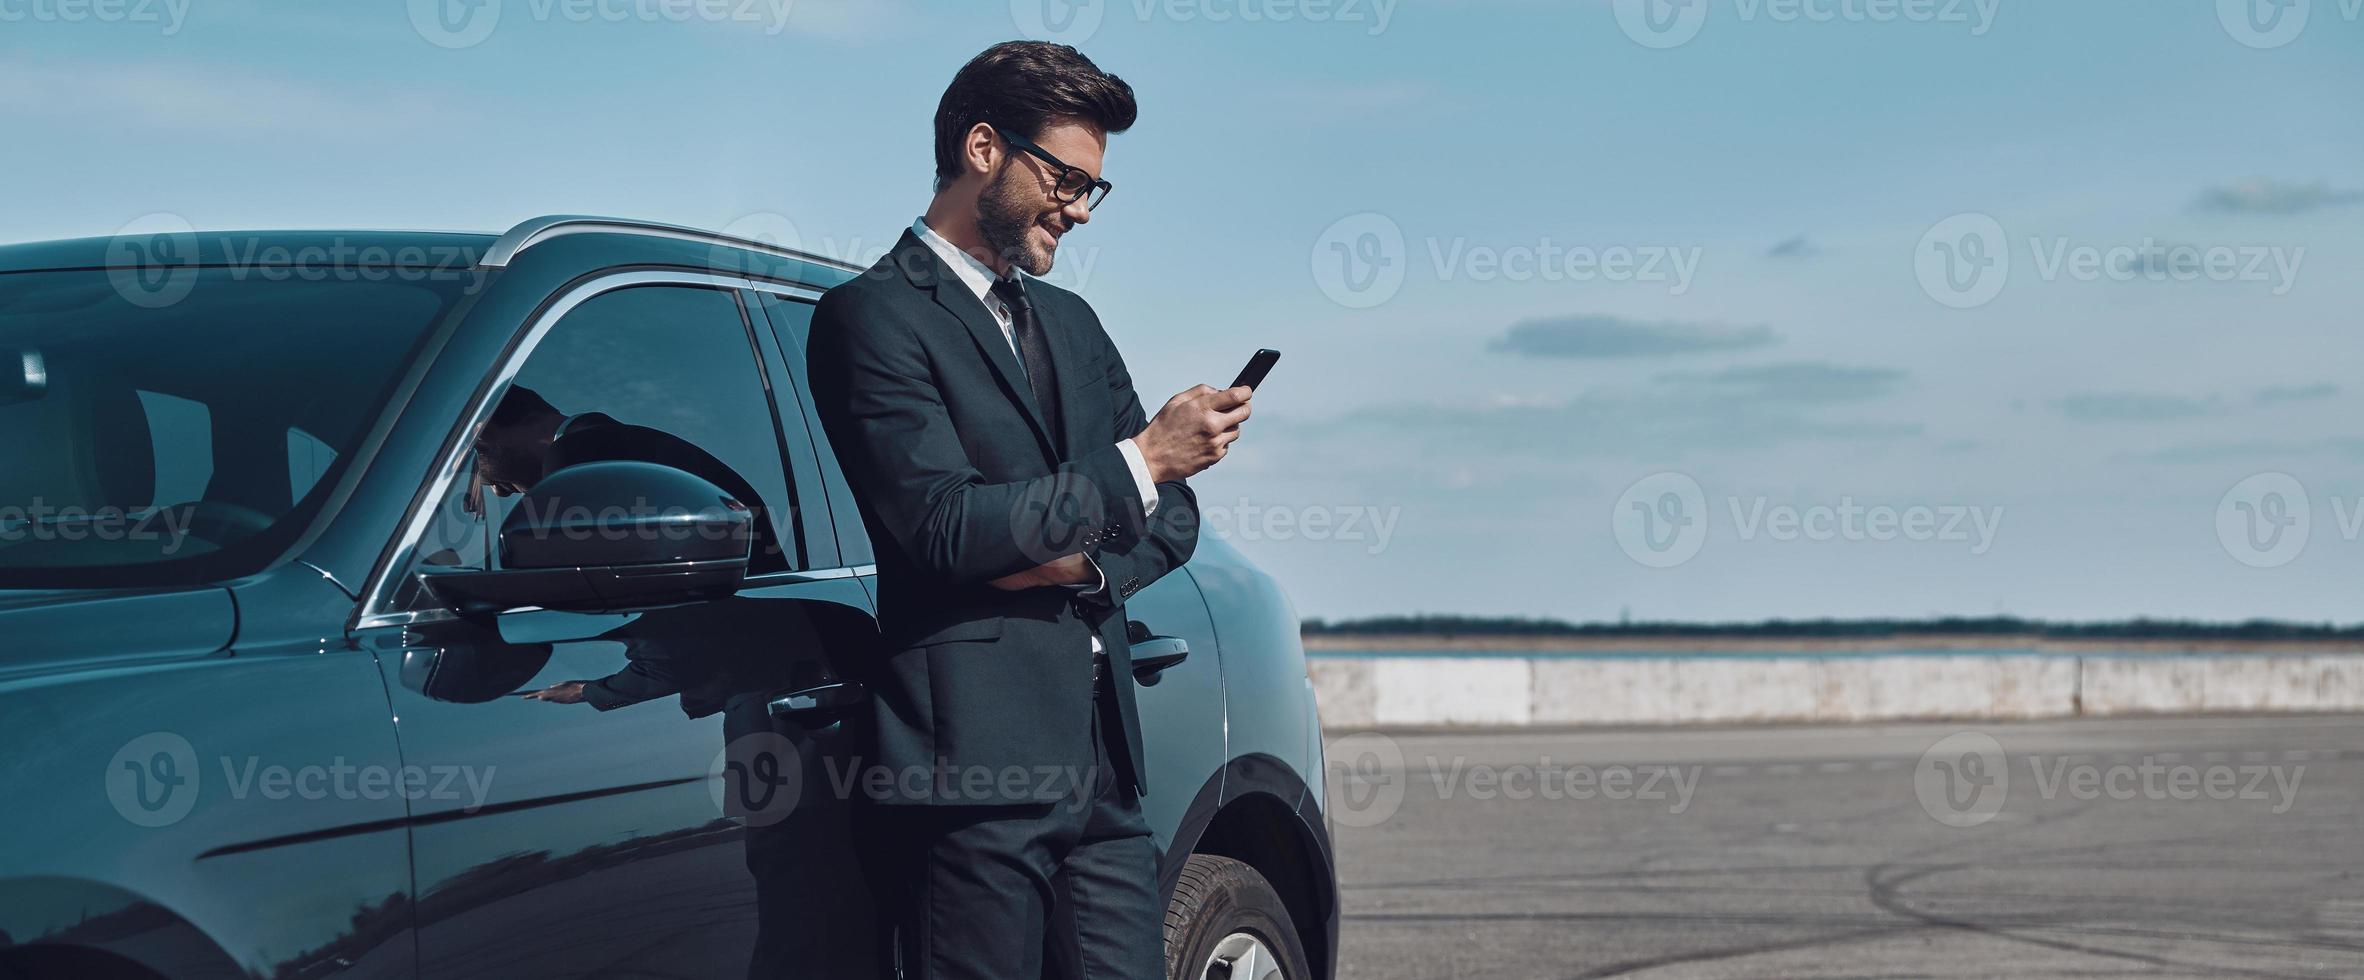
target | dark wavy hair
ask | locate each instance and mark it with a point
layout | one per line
(1021, 86)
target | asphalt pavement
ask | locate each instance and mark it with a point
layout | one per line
(2155, 847)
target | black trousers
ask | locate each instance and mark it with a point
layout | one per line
(1065, 889)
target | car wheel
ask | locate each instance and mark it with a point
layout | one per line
(1226, 923)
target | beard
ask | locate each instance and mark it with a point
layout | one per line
(1006, 212)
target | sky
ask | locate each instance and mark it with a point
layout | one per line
(1696, 310)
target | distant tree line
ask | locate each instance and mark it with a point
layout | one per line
(1431, 625)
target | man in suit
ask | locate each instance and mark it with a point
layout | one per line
(1018, 496)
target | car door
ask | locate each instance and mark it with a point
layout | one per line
(1181, 707)
(658, 819)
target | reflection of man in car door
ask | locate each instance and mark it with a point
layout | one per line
(527, 439)
(732, 656)
(728, 656)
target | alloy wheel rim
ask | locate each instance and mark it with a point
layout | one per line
(1242, 956)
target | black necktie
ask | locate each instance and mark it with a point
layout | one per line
(1034, 351)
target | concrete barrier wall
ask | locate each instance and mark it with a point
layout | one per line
(1379, 692)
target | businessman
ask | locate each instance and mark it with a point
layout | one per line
(1018, 496)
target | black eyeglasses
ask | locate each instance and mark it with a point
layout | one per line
(1074, 183)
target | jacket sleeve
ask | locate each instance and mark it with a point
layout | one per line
(640, 680)
(1166, 539)
(877, 397)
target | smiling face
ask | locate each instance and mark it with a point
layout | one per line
(1019, 214)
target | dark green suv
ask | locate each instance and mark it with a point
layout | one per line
(298, 679)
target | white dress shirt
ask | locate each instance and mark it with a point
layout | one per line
(979, 279)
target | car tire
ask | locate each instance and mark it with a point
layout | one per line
(1226, 923)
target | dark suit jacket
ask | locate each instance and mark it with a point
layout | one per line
(960, 483)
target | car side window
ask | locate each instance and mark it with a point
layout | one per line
(792, 324)
(670, 367)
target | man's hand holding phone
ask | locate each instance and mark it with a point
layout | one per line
(1193, 431)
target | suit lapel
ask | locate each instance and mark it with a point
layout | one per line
(921, 265)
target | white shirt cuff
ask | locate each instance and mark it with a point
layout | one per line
(1079, 589)
(1142, 484)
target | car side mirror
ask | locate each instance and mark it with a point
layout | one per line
(610, 536)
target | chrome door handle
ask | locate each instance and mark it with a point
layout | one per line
(1153, 655)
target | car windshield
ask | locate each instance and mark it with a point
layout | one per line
(187, 436)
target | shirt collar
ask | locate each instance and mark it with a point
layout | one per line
(971, 272)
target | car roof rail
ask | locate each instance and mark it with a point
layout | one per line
(534, 231)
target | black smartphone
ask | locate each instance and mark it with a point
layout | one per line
(1258, 366)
